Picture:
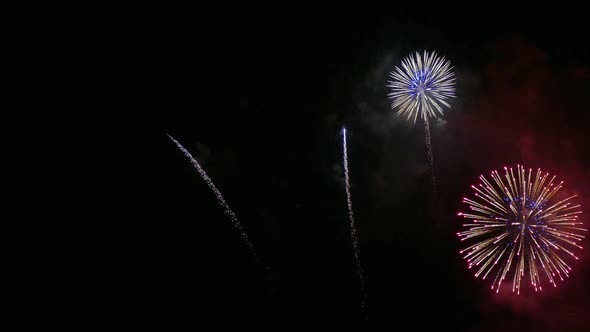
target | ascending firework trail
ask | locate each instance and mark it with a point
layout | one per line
(429, 153)
(220, 200)
(352, 225)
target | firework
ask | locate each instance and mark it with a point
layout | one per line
(522, 230)
(220, 200)
(353, 235)
(420, 87)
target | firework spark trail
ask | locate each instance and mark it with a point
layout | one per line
(522, 228)
(352, 223)
(429, 152)
(220, 200)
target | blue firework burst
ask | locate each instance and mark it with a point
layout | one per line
(421, 86)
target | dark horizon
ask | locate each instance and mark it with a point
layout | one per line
(260, 100)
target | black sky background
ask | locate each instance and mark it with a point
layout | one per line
(260, 98)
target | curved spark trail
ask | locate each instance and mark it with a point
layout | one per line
(220, 200)
(353, 235)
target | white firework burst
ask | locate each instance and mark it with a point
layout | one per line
(421, 86)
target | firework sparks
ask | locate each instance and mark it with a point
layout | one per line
(429, 152)
(523, 230)
(421, 87)
(220, 200)
(351, 219)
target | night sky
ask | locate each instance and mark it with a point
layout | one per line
(260, 96)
